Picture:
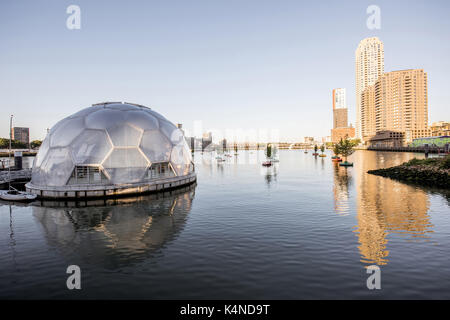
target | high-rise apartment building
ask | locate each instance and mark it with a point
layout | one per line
(398, 101)
(367, 107)
(340, 130)
(339, 108)
(401, 101)
(369, 65)
(339, 98)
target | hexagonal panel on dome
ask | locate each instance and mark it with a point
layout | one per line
(181, 169)
(181, 159)
(57, 166)
(42, 153)
(174, 134)
(104, 118)
(155, 114)
(156, 146)
(177, 137)
(91, 147)
(57, 125)
(141, 119)
(38, 177)
(66, 132)
(126, 165)
(124, 135)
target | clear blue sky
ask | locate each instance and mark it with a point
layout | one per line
(230, 63)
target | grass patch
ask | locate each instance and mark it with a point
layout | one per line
(443, 163)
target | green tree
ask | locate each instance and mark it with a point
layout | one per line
(18, 145)
(269, 150)
(35, 144)
(322, 148)
(346, 148)
(315, 148)
(336, 149)
(4, 143)
(15, 144)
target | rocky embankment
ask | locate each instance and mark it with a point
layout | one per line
(433, 172)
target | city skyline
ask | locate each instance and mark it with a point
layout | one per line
(192, 63)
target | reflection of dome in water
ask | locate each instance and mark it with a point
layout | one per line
(108, 149)
(113, 236)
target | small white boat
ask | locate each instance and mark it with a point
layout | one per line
(220, 158)
(14, 195)
(267, 163)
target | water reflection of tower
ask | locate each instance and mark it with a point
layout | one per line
(342, 180)
(386, 206)
(119, 233)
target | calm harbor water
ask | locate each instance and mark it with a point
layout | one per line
(302, 229)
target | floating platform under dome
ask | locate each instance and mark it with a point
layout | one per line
(111, 149)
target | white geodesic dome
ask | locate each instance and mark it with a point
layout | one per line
(120, 140)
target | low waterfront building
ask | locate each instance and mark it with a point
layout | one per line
(111, 149)
(441, 142)
(441, 128)
(342, 133)
(21, 134)
(410, 135)
(388, 138)
(308, 140)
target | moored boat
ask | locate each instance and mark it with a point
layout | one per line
(14, 195)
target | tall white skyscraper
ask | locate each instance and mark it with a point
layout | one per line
(369, 65)
(339, 99)
(339, 108)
